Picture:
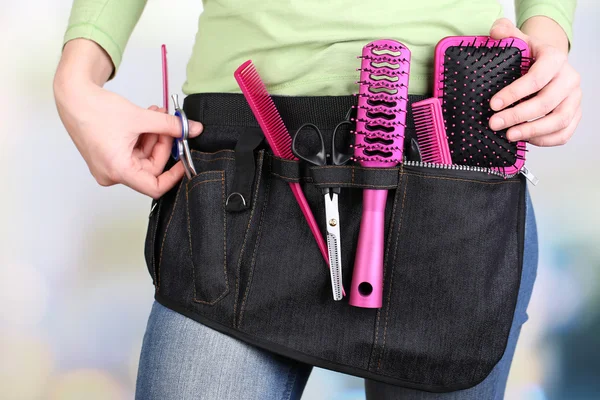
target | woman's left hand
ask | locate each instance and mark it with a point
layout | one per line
(550, 117)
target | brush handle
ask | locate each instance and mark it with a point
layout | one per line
(367, 279)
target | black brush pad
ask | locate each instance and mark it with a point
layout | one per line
(472, 75)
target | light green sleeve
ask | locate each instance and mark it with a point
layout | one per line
(107, 22)
(561, 11)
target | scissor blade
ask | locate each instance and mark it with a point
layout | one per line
(334, 245)
(335, 267)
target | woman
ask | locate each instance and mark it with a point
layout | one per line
(300, 49)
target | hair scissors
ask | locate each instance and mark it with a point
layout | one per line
(332, 214)
(181, 149)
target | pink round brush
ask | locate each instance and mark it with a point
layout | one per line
(380, 122)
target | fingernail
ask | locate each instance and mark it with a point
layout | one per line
(496, 104)
(195, 127)
(497, 123)
(515, 135)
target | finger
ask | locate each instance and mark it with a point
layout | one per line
(558, 138)
(504, 28)
(146, 143)
(160, 154)
(540, 74)
(145, 182)
(540, 105)
(556, 121)
(166, 124)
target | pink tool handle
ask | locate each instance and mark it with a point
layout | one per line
(367, 280)
(312, 223)
(165, 77)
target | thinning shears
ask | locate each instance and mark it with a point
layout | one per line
(305, 134)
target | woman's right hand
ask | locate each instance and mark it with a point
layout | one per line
(119, 141)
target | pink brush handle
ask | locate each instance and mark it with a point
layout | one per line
(367, 280)
(310, 219)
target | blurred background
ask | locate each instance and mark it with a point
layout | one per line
(74, 290)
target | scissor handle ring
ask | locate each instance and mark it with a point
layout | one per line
(317, 159)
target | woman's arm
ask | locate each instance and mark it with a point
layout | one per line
(119, 141)
(550, 117)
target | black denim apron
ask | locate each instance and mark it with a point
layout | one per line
(453, 258)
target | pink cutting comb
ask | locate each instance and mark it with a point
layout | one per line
(469, 71)
(431, 132)
(277, 136)
(165, 77)
(380, 122)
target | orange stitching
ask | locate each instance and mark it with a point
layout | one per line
(222, 180)
(165, 236)
(253, 261)
(258, 178)
(213, 159)
(201, 182)
(153, 245)
(387, 251)
(387, 312)
(198, 152)
(286, 177)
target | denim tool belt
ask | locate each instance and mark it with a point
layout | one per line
(251, 269)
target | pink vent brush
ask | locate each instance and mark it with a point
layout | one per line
(277, 136)
(431, 132)
(380, 121)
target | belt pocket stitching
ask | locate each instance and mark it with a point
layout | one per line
(258, 178)
(162, 247)
(387, 312)
(153, 240)
(387, 251)
(188, 190)
(256, 246)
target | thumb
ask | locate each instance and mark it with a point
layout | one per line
(166, 124)
(504, 28)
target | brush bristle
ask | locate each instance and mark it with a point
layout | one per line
(382, 102)
(473, 71)
(431, 133)
(264, 110)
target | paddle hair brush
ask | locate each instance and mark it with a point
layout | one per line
(469, 71)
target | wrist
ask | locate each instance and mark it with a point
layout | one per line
(83, 61)
(547, 31)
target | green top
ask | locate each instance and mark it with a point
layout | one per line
(307, 47)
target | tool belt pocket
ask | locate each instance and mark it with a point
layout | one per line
(452, 266)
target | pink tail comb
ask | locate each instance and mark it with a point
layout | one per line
(277, 136)
(431, 132)
(380, 122)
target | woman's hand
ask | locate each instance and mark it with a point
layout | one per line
(119, 141)
(550, 117)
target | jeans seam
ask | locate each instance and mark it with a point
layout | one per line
(258, 178)
(162, 247)
(387, 306)
(253, 261)
(188, 190)
(290, 388)
(392, 225)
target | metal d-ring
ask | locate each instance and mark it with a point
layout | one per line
(237, 193)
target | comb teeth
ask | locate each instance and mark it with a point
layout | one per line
(382, 101)
(264, 109)
(431, 133)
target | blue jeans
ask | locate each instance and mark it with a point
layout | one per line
(182, 359)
